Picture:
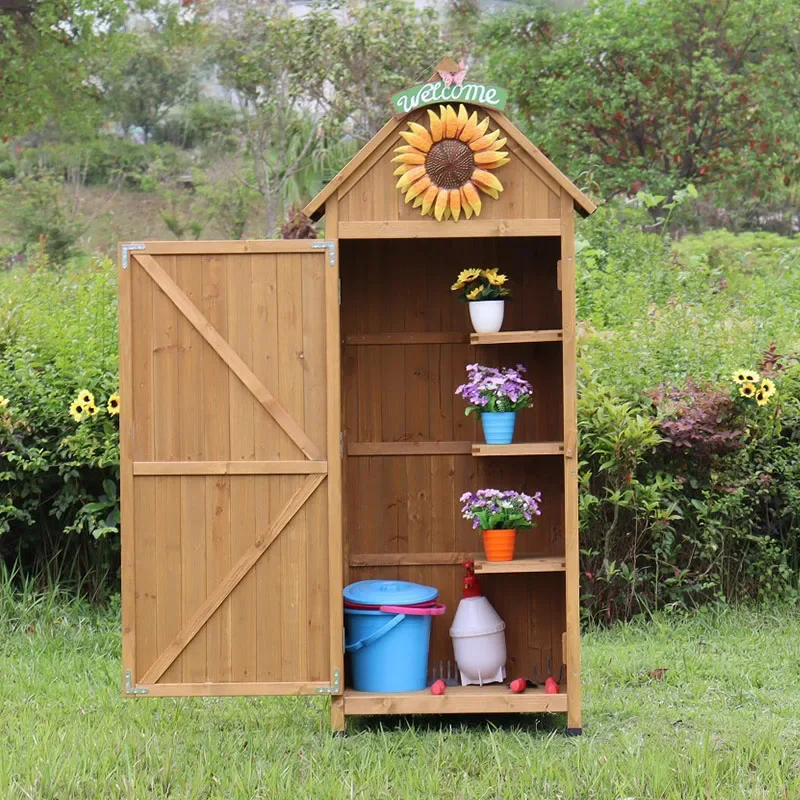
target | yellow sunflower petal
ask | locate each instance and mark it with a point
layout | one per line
(451, 123)
(484, 141)
(410, 158)
(414, 174)
(405, 148)
(462, 117)
(429, 198)
(500, 163)
(483, 178)
(437, 129)
(447, 213)
(421, 131)
(498, 145)
(469, 128)
(441, 204)
(402, 169)
(472, 197)
(465, 206)
(455, 202)
(418, 188)
(487, 190)
(480, 130)
(417, 141)
(486, 158)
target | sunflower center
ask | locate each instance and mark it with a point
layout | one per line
(449, 163)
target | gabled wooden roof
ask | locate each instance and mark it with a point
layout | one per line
(316, 208)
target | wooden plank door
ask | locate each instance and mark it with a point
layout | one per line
(230, 468)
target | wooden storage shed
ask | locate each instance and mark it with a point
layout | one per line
(289, 425)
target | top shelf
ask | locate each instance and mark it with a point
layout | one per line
(509, 337)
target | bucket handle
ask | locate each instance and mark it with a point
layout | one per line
(375, 635)
(435, 610)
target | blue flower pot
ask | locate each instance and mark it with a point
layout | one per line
(498, 426)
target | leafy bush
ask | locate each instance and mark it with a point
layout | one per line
(202, 122)
(40, 216)
(58, 476)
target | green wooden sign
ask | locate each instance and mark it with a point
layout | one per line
(477, 94)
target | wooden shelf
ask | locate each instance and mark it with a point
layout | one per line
(522, 449)
(510, 337)
(532, 564)
(491, 699)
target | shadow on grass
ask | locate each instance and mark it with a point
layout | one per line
(534, 724)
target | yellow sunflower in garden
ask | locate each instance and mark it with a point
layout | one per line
(86, 397)
(91, 410)
(762, 398)
(113, 405)
(768, 387)
(77, 409)
(746, 376)
(443, 168)
(747, 389)
(3, 401)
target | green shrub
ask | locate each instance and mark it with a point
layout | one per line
(58, 477)
(202, 122)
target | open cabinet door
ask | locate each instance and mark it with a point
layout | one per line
(230, 468)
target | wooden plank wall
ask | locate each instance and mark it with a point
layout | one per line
(400, 504)
(190, 529)
(528, 193)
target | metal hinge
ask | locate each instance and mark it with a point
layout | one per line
(334, 688)
(126, 249)
(330, 247)
(130, 688)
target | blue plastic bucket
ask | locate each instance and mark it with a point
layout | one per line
(498, 426)
(388, 646)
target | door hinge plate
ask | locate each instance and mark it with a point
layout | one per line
(330, 247)
(126, 253)
(334, 688)
(130, 688)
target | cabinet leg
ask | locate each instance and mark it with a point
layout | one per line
(337, 714)
(574, 731)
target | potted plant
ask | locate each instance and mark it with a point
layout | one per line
(499, 515)
(497, 395)
(484, 291)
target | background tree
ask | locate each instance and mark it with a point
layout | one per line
(353, 55)
(655, 94)
(51, 53)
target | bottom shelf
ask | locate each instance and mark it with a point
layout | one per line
(492, 699)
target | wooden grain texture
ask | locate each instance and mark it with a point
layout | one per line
(166, 386)
(490, 699)
(571, 464)
(127, 515)
(408, 448)
(210, 247)
(335, 451)
(216, 482)
(519, 449)
(210, 333)
(522, 564)
(429, 228)
(229, 467)
(512, 337)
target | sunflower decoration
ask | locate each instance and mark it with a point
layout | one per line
(481, 284)
(443, 169)
(113, 405)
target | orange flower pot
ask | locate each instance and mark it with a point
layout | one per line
(499, 545)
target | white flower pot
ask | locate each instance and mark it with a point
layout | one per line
(487, 315)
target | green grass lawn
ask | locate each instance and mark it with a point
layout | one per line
(724, 723)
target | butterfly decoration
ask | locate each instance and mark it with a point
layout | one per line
(455, 77)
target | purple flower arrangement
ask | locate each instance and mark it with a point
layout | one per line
(492, 509)
(491, 389)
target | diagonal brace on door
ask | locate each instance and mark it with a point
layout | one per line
(231, 580)
(228, 355)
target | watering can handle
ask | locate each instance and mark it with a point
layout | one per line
(423, 611)
(375, 635)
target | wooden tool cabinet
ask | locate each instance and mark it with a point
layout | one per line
(289, 425)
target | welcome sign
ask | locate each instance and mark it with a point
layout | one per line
(477, 94)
